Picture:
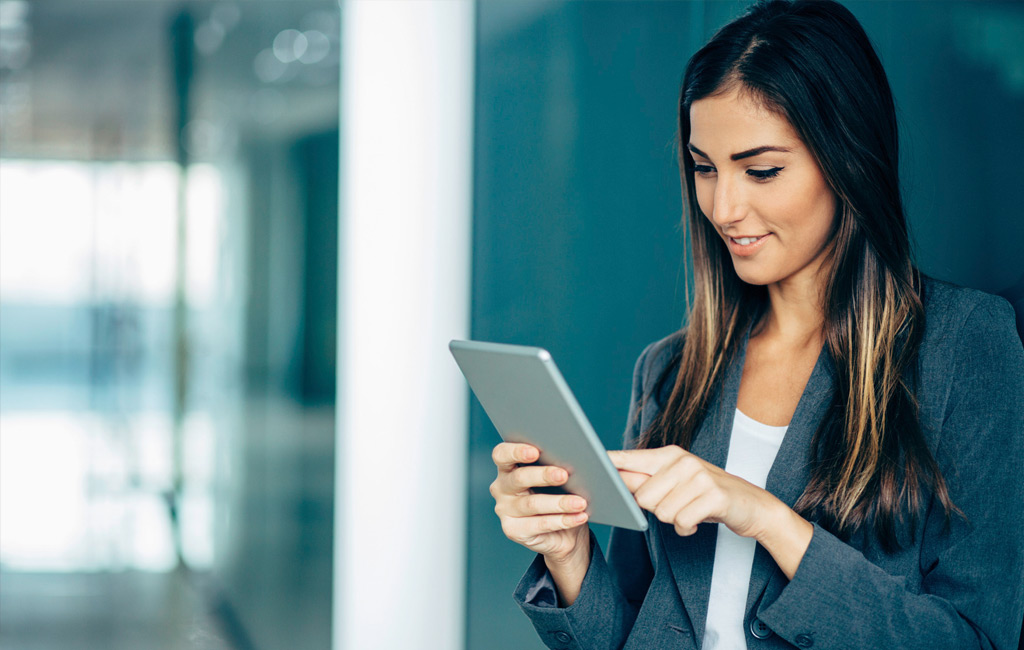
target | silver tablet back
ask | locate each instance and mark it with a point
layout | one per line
(528, 401)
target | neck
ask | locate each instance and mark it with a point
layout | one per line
(796, 316)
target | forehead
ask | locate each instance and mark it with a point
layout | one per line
(729, 122)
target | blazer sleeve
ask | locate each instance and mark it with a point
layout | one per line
(628, 558)
(603, 614)
(972, 587)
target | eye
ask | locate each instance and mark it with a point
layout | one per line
(764, 174)
(703, 170)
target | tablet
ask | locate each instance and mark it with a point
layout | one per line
(528, 401)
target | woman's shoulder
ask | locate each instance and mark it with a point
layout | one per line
(658, 356)
(954, 313)
(970, 350)
(971, 374)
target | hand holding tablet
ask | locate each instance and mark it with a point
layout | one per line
(529, 403)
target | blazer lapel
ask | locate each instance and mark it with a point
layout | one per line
(692, 558)
(790, 472)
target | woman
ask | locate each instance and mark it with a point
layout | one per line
(830, 453)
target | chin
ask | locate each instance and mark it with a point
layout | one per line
(752, 276)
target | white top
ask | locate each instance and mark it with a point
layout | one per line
(752, 451)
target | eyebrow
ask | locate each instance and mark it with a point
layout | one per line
(743, 154)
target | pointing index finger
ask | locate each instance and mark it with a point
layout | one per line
(633, 480)
(645, 461)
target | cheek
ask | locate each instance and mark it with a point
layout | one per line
(823, 210)
(807, 213)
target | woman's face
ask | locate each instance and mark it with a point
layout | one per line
(761, 188)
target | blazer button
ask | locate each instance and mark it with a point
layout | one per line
(563, 637)
(760, 629)
(804, 640)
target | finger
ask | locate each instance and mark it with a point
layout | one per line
(546, 504)
(525, 529)
(698, 511)
(675, 504)
(647, 461)
(531, 476)
(507, 455)
(656, 489)
(633, 480)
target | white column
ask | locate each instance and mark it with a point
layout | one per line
(404, 290)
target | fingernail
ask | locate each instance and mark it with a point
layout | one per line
(578, 504)
(580, 518)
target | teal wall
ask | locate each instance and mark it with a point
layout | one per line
(576, 200)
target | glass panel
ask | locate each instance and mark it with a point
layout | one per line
(168, 263)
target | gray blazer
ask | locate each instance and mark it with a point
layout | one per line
(957, 588)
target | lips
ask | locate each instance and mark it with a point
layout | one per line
(747, 245)
(744, 241)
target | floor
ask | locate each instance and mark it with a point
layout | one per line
(87, 558)
(128, 610)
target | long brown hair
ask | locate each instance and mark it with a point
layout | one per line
(811, 62)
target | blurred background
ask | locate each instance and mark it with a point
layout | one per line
(168, 292)
(178, 268)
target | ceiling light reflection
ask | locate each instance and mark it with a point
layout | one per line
(318, 47)
(289, 45)
(268, 67)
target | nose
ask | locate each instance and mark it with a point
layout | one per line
(730, 207)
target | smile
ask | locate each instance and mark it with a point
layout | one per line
(743, 241)
(747, 245)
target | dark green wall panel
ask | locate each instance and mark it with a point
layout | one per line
(576, 200)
